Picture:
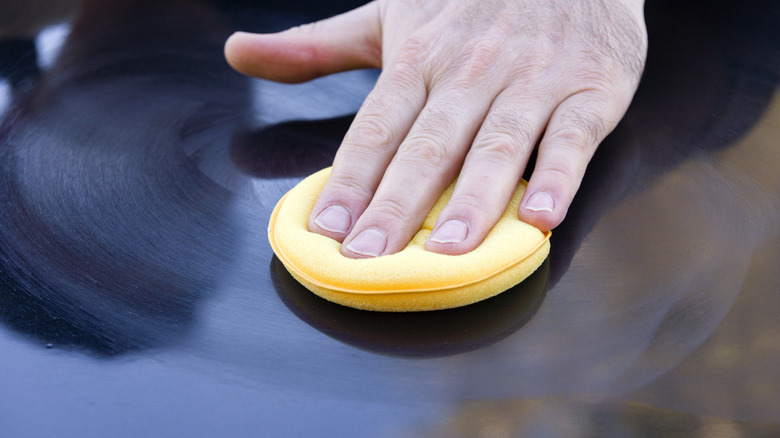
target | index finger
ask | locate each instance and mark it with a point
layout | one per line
(372, 140)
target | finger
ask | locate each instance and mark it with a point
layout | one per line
(574, 131)
(372, 140)
(345, 42)
(490, 174)
(426, 162)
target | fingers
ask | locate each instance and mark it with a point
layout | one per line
(414, 177)
(490, 174)
(372, 140)
(378, 206)
(500, 153)
(575, 129)
(345, 42)
(426, 162)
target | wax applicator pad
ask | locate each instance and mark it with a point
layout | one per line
(413, 279)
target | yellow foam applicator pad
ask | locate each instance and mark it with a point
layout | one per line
(413, 279)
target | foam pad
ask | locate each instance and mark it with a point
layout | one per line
(413, 279)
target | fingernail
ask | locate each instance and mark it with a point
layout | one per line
(540, 201)
(335, 219)
(452, 231)
(370, 243)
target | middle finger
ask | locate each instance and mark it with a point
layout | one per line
(491, 171)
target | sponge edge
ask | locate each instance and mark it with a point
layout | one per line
(413, 279)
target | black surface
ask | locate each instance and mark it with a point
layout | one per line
(139, 295)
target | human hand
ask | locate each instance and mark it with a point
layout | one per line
(469, 88)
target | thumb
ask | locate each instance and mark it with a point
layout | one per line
(345, 42)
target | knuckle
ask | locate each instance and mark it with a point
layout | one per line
(597, 75)
(572, 138)
(427, 149)
(403, 80)
(509, 135)
(540, 57)
(390, 209)
(359, 152)
(471, 202)
(437, 120)
(403, 75)
(412, 54)
(379, 103)
(430, 141)
(369, 131)
(480, 59)
(499, 148)
(350, 185)
(582, 130)
(560, 170)
(532, 65)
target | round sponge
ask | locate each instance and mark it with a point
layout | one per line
(413, 279)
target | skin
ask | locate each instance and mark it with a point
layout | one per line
(467, 88)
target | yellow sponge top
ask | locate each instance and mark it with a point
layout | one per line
(413, 279)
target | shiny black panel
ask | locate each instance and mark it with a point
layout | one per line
(139, 295)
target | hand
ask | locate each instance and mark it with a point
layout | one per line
(467, 87)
